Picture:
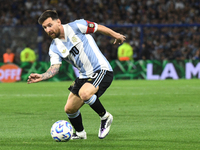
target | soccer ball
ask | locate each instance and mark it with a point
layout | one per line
(61, 131)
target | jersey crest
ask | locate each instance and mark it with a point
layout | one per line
(74, 39)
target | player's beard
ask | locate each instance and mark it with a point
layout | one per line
(54, 35)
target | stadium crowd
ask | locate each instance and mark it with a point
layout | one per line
(161, 43)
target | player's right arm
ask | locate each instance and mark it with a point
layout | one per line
(56, 62)
(52, 71)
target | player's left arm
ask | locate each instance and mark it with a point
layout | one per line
(52, 71)
(88, 27)
(119, 38)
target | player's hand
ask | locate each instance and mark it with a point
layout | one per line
(120, 39)
(34, 77)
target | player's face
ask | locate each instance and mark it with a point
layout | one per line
(51, 27)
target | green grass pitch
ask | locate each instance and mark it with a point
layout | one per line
(148, 115)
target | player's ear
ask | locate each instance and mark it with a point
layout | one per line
(58, 21)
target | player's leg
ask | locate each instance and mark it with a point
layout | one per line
(74, 103)
(90, 92)
(87, 94)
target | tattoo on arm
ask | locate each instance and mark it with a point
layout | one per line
(52, 71)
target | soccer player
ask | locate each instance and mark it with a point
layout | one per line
(73, 43)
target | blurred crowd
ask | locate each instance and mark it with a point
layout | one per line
(161, 43)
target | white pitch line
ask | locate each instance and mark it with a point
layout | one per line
(53, 95)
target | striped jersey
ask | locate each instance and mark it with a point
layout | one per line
(79, 49)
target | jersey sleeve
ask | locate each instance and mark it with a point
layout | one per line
(86, 26)
(54, 58)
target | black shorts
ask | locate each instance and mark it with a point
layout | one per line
(101, 78)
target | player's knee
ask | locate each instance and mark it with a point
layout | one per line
(84, 95)
(69, 110)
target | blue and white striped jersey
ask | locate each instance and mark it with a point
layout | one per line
(79, 48)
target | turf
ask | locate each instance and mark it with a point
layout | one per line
(148, 115)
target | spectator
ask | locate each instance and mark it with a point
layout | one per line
(146, 53)
(26, 12)
(125, 52)
(8, 57)
(197, 55)
(176, 53)
(28, 55)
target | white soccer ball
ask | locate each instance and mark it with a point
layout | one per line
(61, 131)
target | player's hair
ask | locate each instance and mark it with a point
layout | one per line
(48, 13)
